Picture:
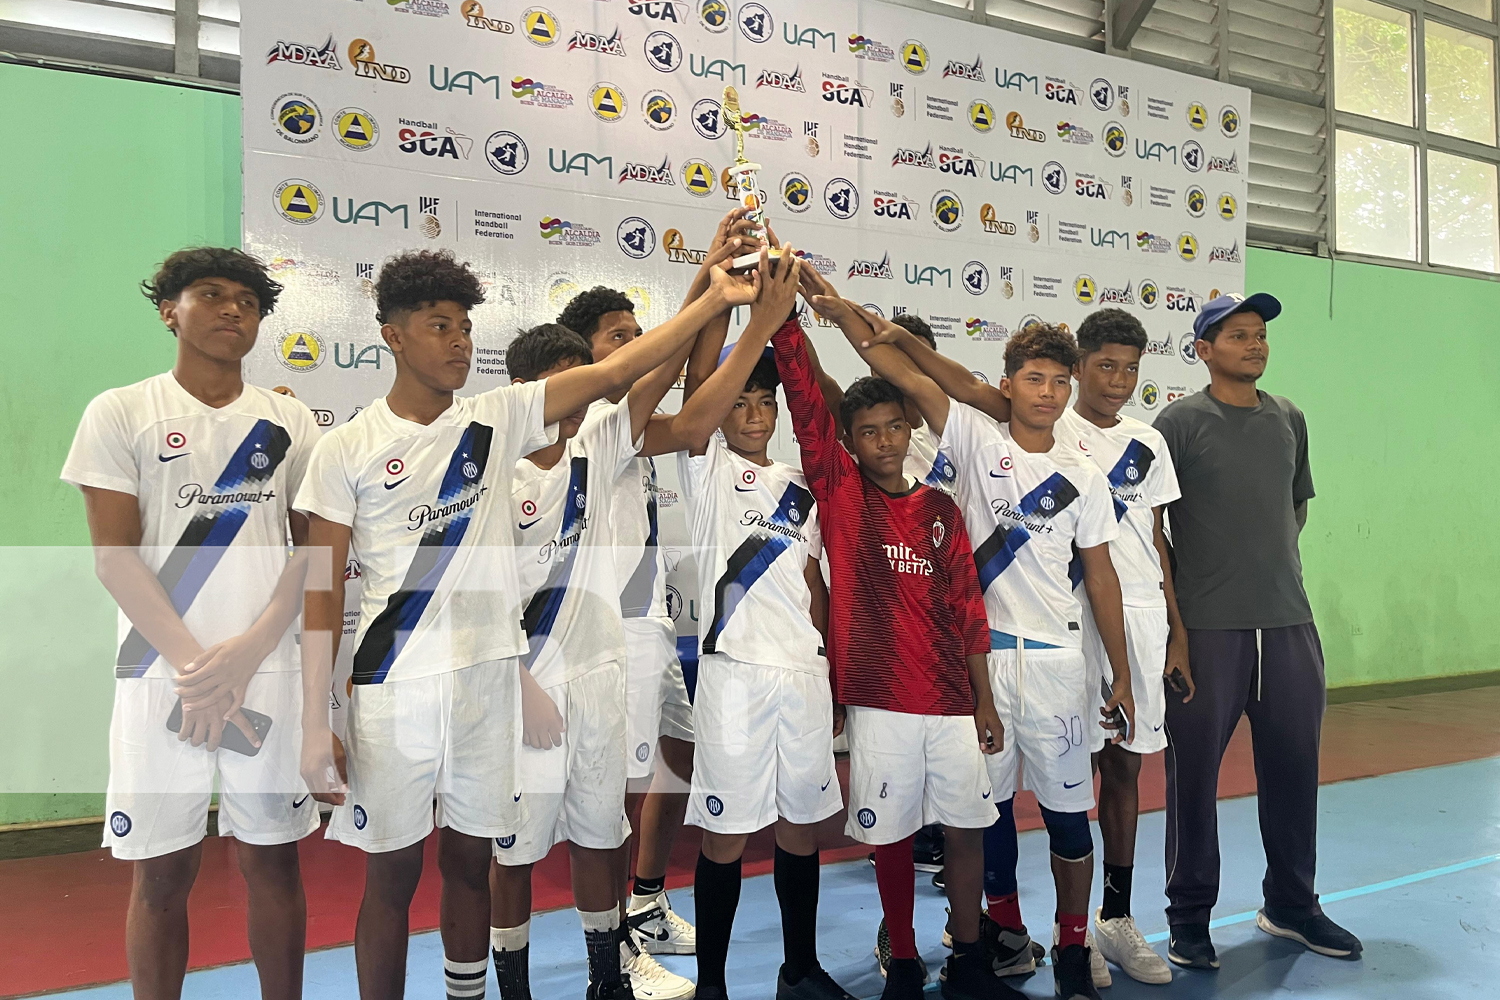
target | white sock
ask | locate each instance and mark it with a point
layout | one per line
(510, 938)
(465, 980)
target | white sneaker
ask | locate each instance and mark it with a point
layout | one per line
(1098, 970)
(661, 930)
(1122, 943)
(648, 979)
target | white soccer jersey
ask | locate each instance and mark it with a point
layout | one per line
(753, 529)
(1136, 464)
(926, 463)
(214, 486)
(564, 549)
(1025, 512)
(640, 569)
(429, 505)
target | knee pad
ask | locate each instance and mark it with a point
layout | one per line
(1069, 834)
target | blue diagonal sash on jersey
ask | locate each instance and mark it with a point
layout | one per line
(1045, 502)
(635, 599)
(1130, 470)
(388, 633)
(201, 547)
(542, 609)
(942, 472)
(753, 557)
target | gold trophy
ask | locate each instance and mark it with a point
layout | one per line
(743, 175)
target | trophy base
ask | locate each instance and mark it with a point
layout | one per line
(745, 263)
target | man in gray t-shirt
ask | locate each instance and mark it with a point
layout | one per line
(1242, 465)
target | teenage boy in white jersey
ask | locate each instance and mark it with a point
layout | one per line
(1030, 500)
(1134, 459)
(187, 481)
(419, 483)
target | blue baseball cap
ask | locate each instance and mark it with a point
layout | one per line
(1263, 303)
(769, 352)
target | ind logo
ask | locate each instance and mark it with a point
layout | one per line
(362, 55)
(579, 162)
(119, 824)
(866, 818)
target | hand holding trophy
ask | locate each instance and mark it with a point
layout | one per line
(743, 175)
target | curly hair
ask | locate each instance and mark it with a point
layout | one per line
(1110, 326)
(411, 280)
(864, 393)
(582, 315)
(196, 263)
(542, 347)
(917, 327)
(1040, 340)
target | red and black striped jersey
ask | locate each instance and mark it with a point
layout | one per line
(905, 607)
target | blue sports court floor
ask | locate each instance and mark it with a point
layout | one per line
(1410, 862)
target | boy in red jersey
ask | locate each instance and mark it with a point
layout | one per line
(907, 641)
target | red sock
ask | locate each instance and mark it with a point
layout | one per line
(1071, 929)
(896, 876)
(1006, 911)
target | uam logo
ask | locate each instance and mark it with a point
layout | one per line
(600, 45)
(839, 89)
(1016, 126)
(1157, 151)
(782, 80)
(894, 206)
(975, 278)
(973, 71)
(841, 198)
(560, 232)
(919, 275)
(1114, 239)
(864, 47)
(636, 238)
(872, 268)
(645, 173)
(1226, 255)
(914, 158)
(993, 225)
(795, 34)
(323, 57)
(720, 69)
(1007, 80)
(1002, 173)
(581, 162)
(1061, 91)
(958, 162)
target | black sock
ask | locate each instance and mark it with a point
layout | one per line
(601, 939)
(649, 886)
(1116, 890)
(513, 972)
(716, 895)
(796, 877)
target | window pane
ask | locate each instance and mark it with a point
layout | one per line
(1463, 225)
(1474, 8)
(1372, 71)
(1376, 182)
(1460, 83)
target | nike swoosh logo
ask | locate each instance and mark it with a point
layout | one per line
(298, 804)
(744, 489)
(391, 486)
(523, 525)
(987, 794)
(172, 458)
(518, 796)
(1073, 785)
(999, 475)
(1156, 729)
(825, 785)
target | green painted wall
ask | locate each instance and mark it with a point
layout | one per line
(1393, 367)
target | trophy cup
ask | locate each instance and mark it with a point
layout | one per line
(743, 175)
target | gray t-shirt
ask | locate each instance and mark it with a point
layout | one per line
(1242, 471)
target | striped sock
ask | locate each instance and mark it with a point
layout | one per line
(465, 980)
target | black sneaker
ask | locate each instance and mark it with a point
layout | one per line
(883, 952)
(816, 985)
(927, 849)
(1316, 932)
(617, 990)
(904, 979)
(1011, 953)
(1192, 948)
(968, 977)
(938, 881)
(1072, 978)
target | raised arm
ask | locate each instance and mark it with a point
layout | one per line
(951, 376)
(824, 460)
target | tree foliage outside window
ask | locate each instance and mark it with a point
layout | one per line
(1372, 64)
(1460, 83)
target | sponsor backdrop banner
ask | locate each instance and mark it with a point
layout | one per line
(978, 178)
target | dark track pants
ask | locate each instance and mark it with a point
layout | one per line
(1280, 686)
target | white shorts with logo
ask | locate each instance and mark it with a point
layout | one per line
(1042, 698)
(910, 771)
(656, 696)
(575, 792)
(160, 787)
(452, 737)
(764, 747)
(1146, 645)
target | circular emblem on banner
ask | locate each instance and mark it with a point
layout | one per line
(299, 202)
(659, 110)
(301, 351)
(1197, 201)
(1187, 246)
(1188, 348)
(506, 152)
(1197, 116)
(607, 102)
(636, 238)
(663, 53)
(1149, 293)
(1054, 178)
(1228, 207)
(914, 57)
(976, 278)
(708, 118)
(796, 192)
(296, 118)
(539, 25)
(1084, 290)
(1102, 93)
(755, 22)
(698, 178)
(1150, 395)
(1229, 121)
(981, 115)
(714, 15)
(1192, 156)
(1115, 139)
(841, 198)
(355, 128)
(947, 211)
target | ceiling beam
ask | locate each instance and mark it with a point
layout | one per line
(1125, 19)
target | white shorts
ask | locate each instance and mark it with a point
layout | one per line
(910, 771)
(160, 787)
(1043, 702)
(451, 736)
(656, 697)
(764, 748)
(1146, 645)
(575, 792)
